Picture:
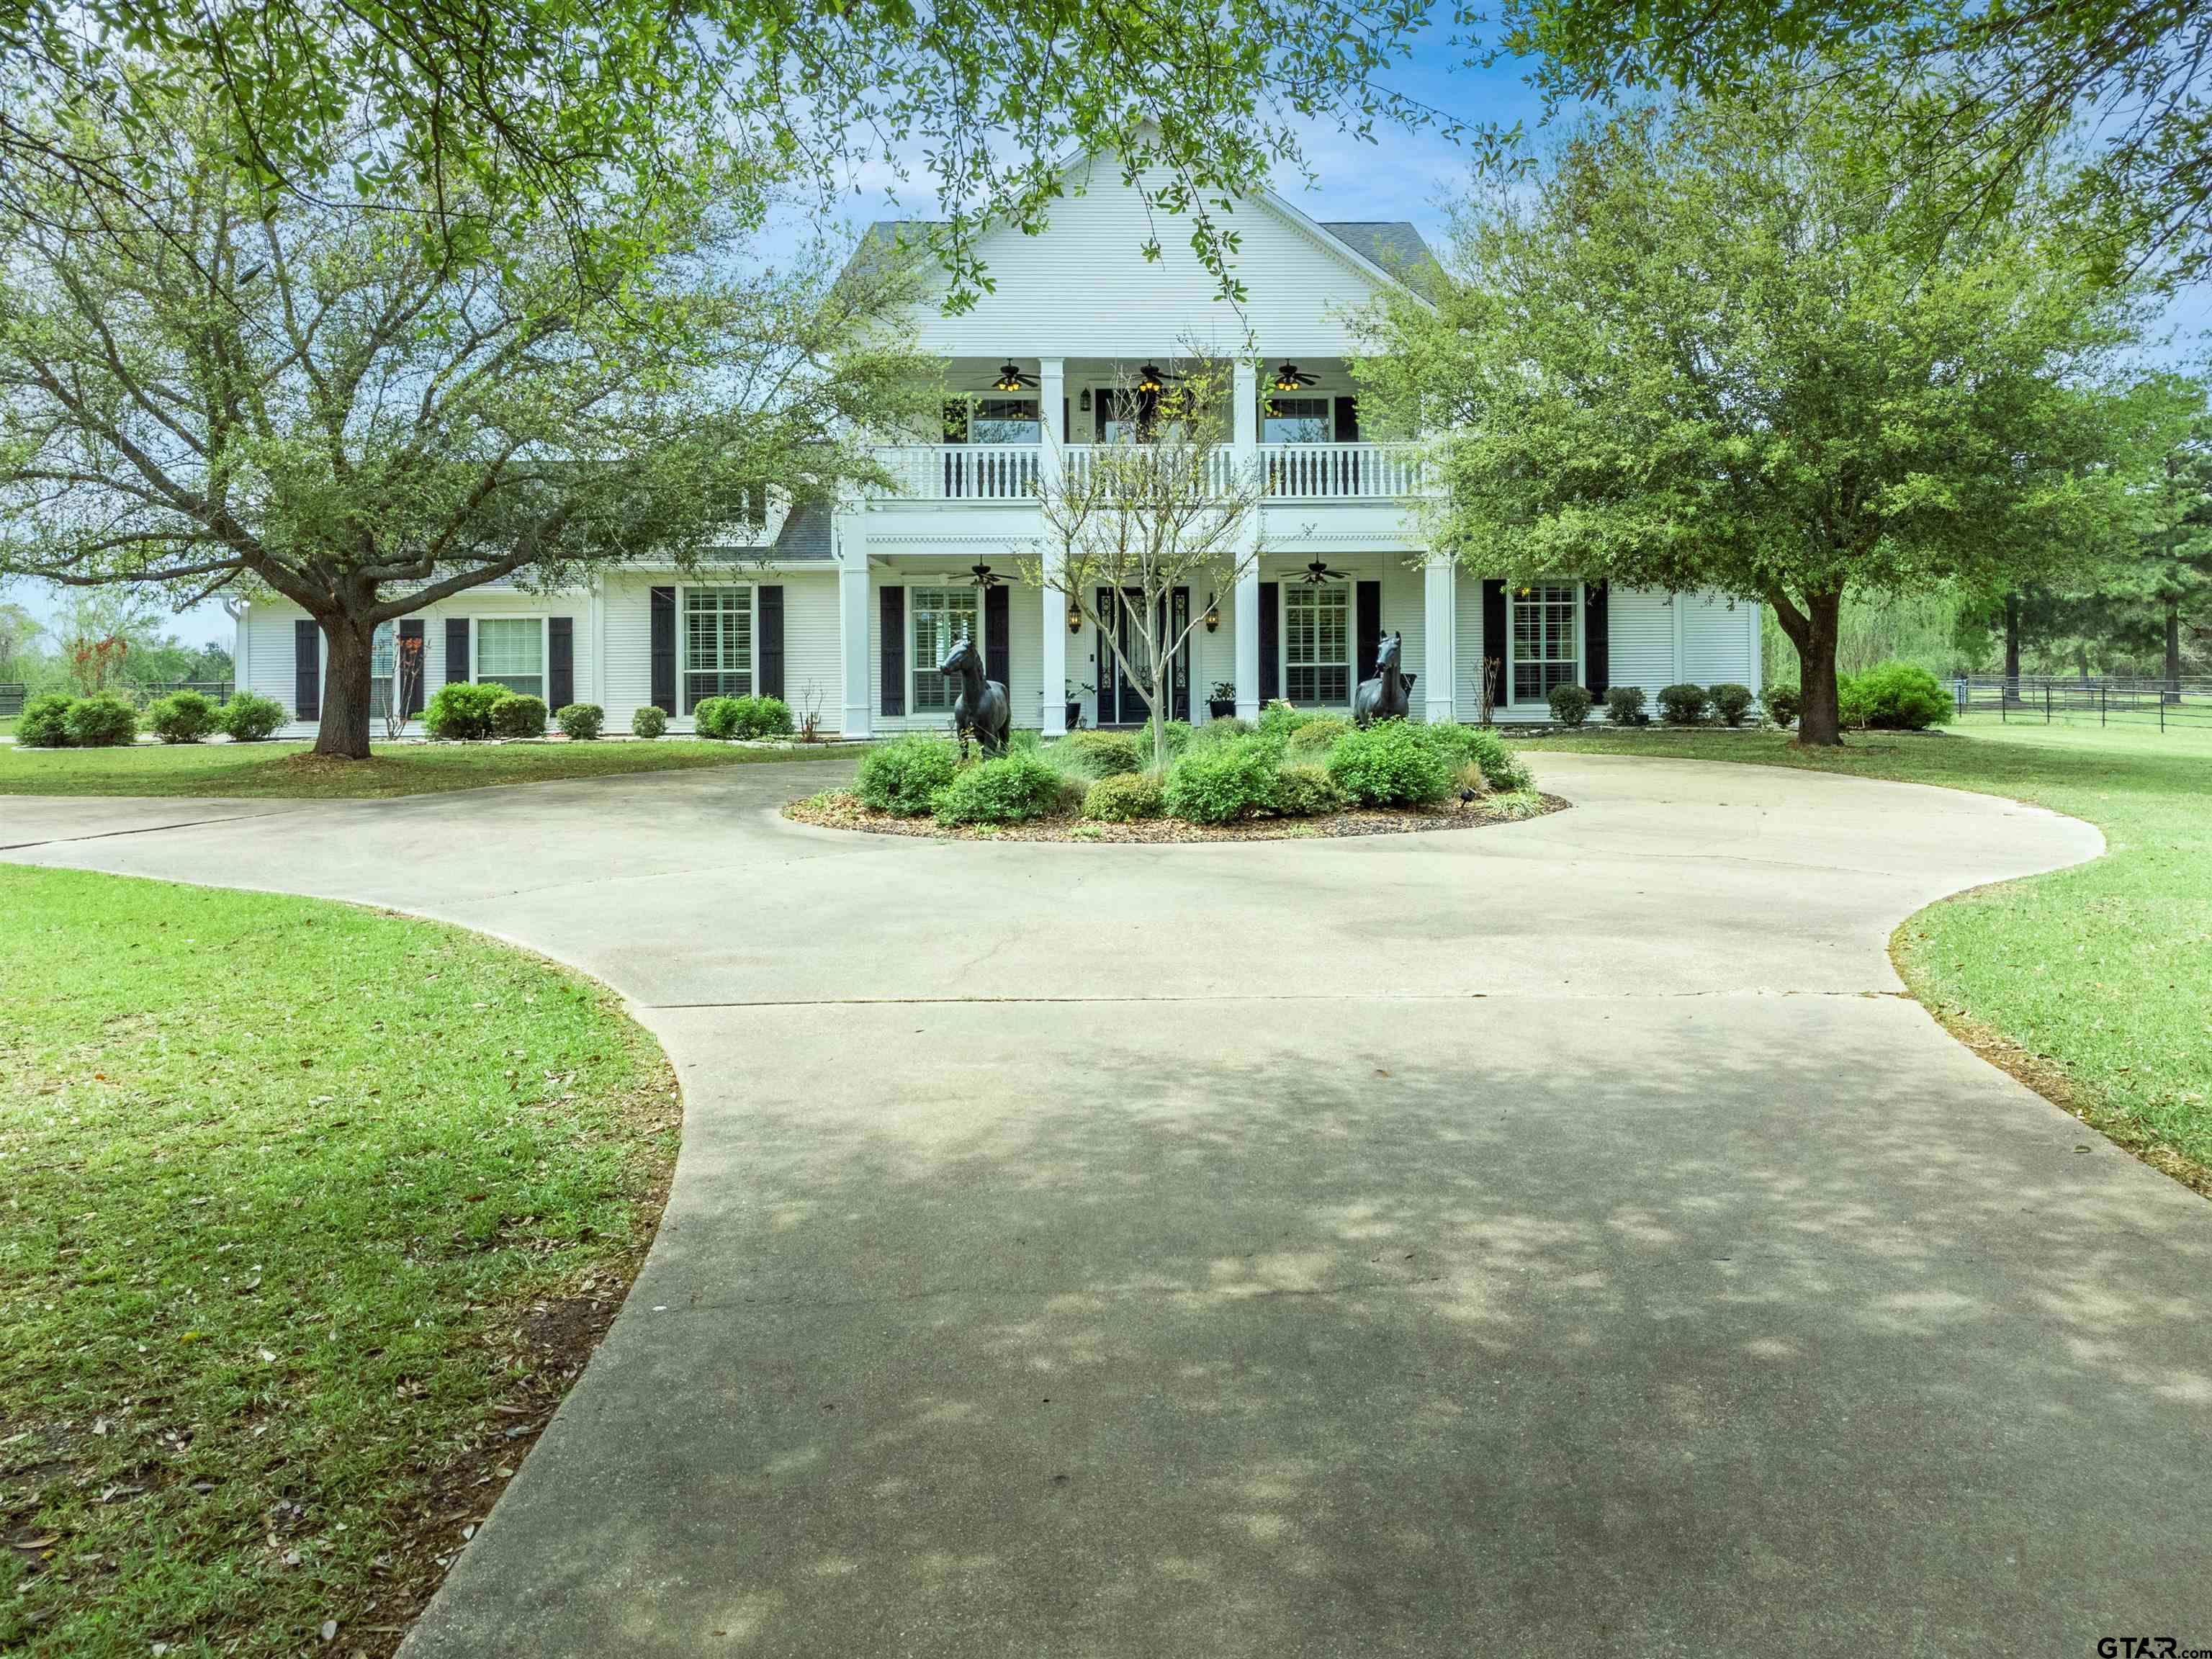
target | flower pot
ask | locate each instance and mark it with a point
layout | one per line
(1222, 708)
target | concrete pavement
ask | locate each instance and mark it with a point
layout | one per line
(1560, 1233)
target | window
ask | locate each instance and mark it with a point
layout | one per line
(1294, 420)
(383, 661)
(1543, 641)
(1005, 420)
(511, 651)
(718, 644)
(941, 617)
(1317, 643)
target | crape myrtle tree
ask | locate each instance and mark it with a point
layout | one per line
(236, 388)
(1162, 509)
(1747, 344)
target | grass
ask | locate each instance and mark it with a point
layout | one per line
(307, 1215)
(287, 769)
(2090, 983)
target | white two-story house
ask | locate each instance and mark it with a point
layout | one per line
(844, 612)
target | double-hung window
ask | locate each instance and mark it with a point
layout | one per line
(942, 616)
(383, 664)
(1544, 654)
(511, 651)
(1317, 643)
(718, 644)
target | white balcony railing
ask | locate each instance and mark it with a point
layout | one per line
(1011, 473)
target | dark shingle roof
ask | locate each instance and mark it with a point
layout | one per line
(805, 535)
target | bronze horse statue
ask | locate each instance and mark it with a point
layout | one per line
(981, 709)
(1389, 694)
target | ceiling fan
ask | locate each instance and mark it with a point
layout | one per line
(1151, 377)
(983, 578)
(1010, 379)
(1290, 377)
(1317, 573)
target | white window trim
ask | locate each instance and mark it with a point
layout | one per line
(544, 619)
(914, 708)
(683, 592)
(1284, 586)
(1582, 652)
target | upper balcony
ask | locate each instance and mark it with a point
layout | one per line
(982, 474)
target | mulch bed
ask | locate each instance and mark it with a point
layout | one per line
(839, 810)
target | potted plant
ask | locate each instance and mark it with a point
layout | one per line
(1076, 692)
(1222, 705)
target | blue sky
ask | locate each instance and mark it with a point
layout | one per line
(1405, 176)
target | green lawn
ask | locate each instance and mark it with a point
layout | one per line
(307, 1214)
(287, 768)
(2096, 981)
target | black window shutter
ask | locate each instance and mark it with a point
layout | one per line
(560, 661)
(1369, 623)
(457, 650)
(997, 648)
(412, 630)
(1597, 644)
(1271, 643)
(1493, 636)
(307, 669)
(1063, 437)
(664, 649)
(892, 648)
(769, 601)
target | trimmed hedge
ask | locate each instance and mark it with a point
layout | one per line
(1624, 705)
(105, 721)
(44, 723)
(1571, 704)
(579, 722)
(1317, 736)
(1307, 792)
(247, 718)
(1221, 783)
(1103, 754)
(905, 774)
(1731, 703)
(524, 716)
(1007, 790)
(1393, 763)
(648, 722)
(1477, 747)
(725, 718)
(1683, 704)
(462, 712)
(1124, 797)
(1783, 702)
(181, 717)
(1895, 696)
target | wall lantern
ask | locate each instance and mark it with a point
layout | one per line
(1075, 618)
(1083, 403)
(1212, 614)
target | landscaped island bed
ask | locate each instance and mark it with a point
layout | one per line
(309, 1215)
(841, 809)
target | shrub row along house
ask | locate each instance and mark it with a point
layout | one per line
(846, 610)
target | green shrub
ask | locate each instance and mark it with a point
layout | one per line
(1007, 790)
(1624, 705)
(181, 717)
(1683, 704)
(1227, 726)
(1103, 754)
(1395, 763)
(1571, 704)
(104, 721)
(1282, 719)
(649, 721)
(44, 723)
(763, 717)
(715, 718)
(1899, 696)
(1314, 738)
(1124, 797)
(580, 721)
(1307, 792)
(1781, 703)
(1178, 740)
(1500, 767)
(1731, 703)
(249, 718)
(462, 712)
(1221, 783)
(904, 775)
(524, 716)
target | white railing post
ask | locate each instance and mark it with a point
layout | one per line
(1053, 693)
(1244, 452)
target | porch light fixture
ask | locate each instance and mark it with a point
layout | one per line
(1149, 380)
(1083, 403)
(1212, 614)
(1010, 379)
(1288, 379)
(1075, 618)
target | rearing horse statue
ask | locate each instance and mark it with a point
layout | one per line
(1386, 697)
(981, 709)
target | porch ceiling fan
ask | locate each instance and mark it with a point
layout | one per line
(1152, 378)
(1289, 378)
(983, 577)
(1317, 573)
(1010, 379)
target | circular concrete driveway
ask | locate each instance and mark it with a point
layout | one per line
(1561, 1236)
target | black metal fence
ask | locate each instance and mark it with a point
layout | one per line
(2051, 700)
(15, 693)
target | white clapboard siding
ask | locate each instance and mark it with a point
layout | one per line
(1717, 636)
(1640, 640)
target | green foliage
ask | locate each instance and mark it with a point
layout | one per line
(248, 718)
(1124, 797)
(1571, 704)
(101, 722)
(1731, 701)
(1010, 789)
(648, 721)
(1395, 763)
(1226, 726)
(1499, 766)
(1683, 704)
(1624, 705)
(1282, 719)
(1222, 782)
(1315, 736)
(581, 721)
(715, 717)
(1307, 792)
(905, 774)
(1103, 754)
(1178, 733)
(724, 717)
(181, 717)
(1896, 696)
(44, 723)
(518, 715)
(1781, 702)
(461, 711)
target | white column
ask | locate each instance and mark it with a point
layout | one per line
(1245, 451)
(1440, 659)
(1051, 391)
(851, 546)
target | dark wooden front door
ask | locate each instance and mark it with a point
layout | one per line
(1120, 700)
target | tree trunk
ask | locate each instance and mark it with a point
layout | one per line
(2173, 648)
(343, 731)
(2012, 648)
(1820, 718)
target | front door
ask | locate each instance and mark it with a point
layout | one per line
(1120, 700)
